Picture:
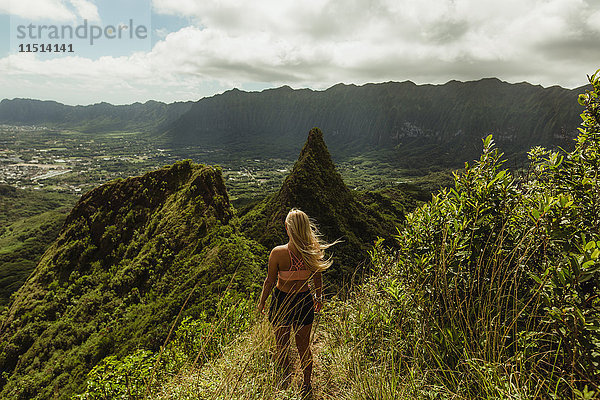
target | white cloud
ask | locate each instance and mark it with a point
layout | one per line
(54, 10)
(321, 42)
(161, 32)
(78, 80)
(592, 21)
(318, 43)
(86, 10)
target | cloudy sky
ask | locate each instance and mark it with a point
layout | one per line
(198, 48)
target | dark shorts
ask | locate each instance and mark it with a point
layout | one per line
(294, 310)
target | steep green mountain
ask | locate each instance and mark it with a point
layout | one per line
(317, 188)
(29, 222)
(21, 245)
(494, 293)
(152, 116)
(16, 204)
(130, 254)
(418, 124)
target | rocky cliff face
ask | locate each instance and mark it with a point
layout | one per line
(448, 119)
(129, 255)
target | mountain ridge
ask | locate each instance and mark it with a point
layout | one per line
(447, 120)
(148, 117)
(490, 78)
(408, 124)
(131, 254)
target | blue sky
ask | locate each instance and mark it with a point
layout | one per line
(199, 48)
(130, 15)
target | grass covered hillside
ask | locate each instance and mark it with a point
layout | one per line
(22, 243)
(131, 254)
(490, 290)
(29, 222)
(16, 204)
(317, 188)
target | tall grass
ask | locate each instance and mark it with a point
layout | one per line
(457, 313)
(382, 341)
(386, 339)
(246, 369)
(385, 342)
(404, 333)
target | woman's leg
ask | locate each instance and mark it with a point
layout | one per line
(282, 358)
(303, 344)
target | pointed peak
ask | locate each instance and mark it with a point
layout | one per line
(315, 145)
(315, 132)
(315, 138)
(314, 162)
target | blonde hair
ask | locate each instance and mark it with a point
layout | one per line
(305, 237)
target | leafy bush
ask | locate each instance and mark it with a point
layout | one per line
(495, 291)
(194, 342)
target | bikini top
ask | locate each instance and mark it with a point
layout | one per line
(297, 271)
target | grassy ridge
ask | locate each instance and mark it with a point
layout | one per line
(16, 204)
(21, 246)
(492, 292)
(131, 253)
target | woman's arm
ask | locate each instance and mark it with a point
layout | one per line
(270, 281)
(318, 281)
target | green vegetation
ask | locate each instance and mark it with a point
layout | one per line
(149, 117)
(134, 255)
(494, 293)
(414, 127)
(489, 290)
(135, 252)
(317, 188)
(194, 342)
(17, 204)
(21, 246)
(29, 222)
(83, 161)
(408, 126)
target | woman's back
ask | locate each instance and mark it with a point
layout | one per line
(293, 275)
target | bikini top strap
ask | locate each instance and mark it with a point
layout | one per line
(295, 261)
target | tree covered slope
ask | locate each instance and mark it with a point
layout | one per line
(29, 222)
(129, 255)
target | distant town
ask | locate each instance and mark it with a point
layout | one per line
(36, 157)
(41, 158)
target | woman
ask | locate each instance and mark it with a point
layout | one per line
(290, 267)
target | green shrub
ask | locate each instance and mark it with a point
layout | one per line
(194, 342)
(495, 291)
